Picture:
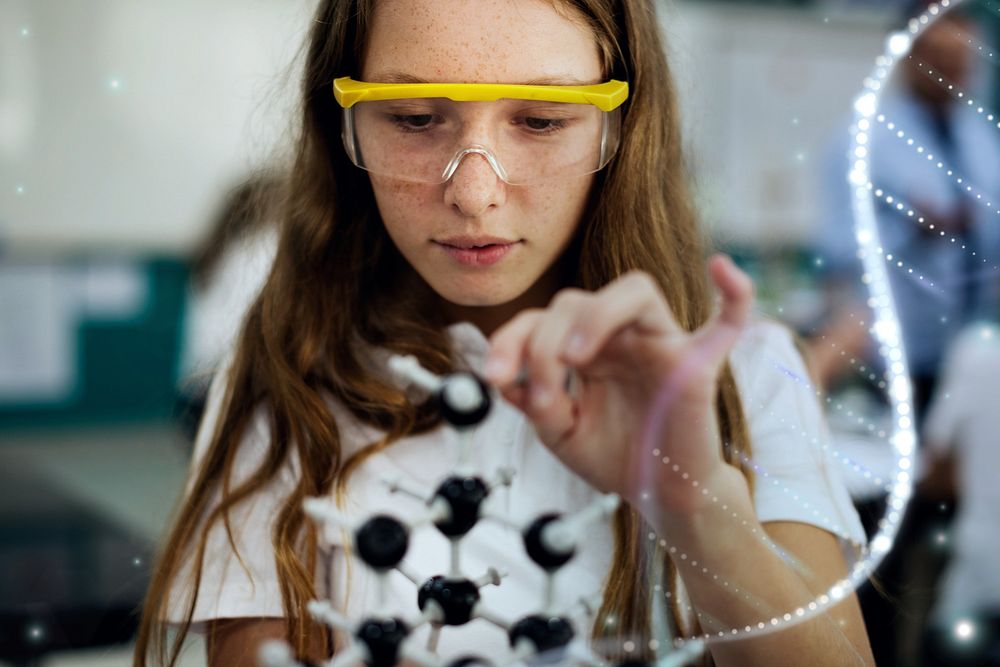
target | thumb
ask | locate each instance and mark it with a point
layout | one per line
(720, 333)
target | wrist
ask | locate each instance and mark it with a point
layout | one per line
(706, 516)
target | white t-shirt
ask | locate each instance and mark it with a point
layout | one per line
(796, 480)
(216, 311)
(963, 418)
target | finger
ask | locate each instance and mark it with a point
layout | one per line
(546, 372)
(507, 352)
(722, 330)
(516, 395)
(632, 300)
(532, 342)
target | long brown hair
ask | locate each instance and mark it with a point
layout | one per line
(335, 290)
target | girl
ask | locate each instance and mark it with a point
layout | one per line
(556, 222)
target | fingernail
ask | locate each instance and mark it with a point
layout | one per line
(541, 397)
(576, 344)
(495, 368)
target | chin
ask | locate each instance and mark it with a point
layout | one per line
(470, 297)
(468, 300)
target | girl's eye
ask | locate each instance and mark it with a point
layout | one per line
(543, 125)
(413, 121)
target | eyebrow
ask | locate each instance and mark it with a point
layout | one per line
(393, 76)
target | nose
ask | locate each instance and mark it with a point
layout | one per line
(475, 185)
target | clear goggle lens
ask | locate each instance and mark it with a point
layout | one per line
(424, 140)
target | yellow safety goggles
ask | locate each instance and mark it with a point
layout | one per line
(421, 132)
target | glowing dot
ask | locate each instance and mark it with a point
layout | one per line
(898, 43)
(881, 544)
(19, 189)
(25, 32)
(965, 630)
(36, 633)
(866, 104)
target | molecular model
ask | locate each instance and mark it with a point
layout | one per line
(450, 600)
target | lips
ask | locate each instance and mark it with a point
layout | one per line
(477, 251)
(470, 242)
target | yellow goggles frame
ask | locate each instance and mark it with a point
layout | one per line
(604, 96)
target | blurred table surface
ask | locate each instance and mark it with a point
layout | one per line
(81, 512)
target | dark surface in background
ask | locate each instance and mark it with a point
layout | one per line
(68, 578)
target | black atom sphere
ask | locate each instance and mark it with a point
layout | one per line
(464, 495)
(463, 418)
(381, 542)
(382, 637)
(456, 597)
(546, 633)
(543, 556)
(633, 663)
(469, 661)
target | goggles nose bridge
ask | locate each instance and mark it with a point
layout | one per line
(474, 149)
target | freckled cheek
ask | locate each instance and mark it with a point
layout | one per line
(404, 205)
(557, 211)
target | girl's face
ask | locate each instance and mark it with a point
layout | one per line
(482, 41)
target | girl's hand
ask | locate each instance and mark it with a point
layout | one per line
(644, 387)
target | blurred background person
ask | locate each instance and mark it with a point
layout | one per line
(955, 250)
(932, 153)
(963, 456)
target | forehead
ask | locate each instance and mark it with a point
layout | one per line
(480, 41)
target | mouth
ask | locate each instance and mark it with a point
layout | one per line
(477, 251)
(475, 242)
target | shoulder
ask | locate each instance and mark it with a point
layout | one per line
(796, 477)
(975, 352)
(767, 354)
(256, 436)
(779, 399)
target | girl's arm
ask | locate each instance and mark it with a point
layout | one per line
(836, 637)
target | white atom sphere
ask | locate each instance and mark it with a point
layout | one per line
(463, 393)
